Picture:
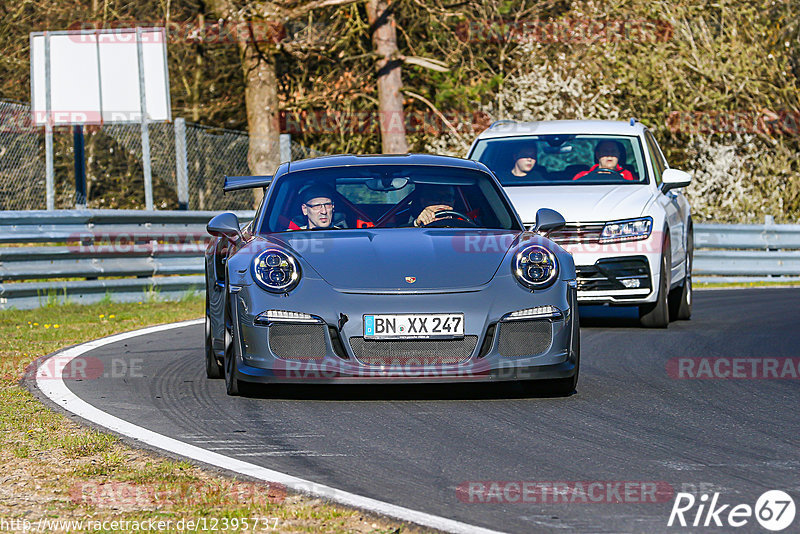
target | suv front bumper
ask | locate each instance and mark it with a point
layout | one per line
(617, 273)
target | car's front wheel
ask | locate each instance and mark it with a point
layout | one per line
(213, 368)
(656, 315)
(680, 299)
(562, 387)
(232, 385)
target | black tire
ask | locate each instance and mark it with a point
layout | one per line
(656, 315)
(213, 368)
(231, 365)
(680, 298)
(563, 387)
(560, 387)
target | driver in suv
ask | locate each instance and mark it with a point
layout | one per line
(607, 155)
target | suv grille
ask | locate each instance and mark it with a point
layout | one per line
(574, 233)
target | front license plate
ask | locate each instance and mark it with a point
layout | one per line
(414, 326)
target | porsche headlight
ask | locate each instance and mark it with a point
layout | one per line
(276, 271)
(535, 266)
(631, 230)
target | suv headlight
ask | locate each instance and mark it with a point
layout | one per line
(631, 230)
(535, 266)
(276, 271)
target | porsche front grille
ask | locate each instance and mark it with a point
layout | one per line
(298, 341)
(414, 352)
(524, 338)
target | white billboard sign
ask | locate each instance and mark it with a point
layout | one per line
(95, 76)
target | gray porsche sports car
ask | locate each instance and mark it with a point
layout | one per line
(393, 268)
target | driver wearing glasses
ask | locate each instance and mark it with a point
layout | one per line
(317, 206)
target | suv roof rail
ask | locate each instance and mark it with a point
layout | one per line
(503, 121)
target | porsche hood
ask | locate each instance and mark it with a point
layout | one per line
(403, 258)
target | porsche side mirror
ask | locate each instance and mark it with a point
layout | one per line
(547, 221)
(674, 179)
(225, 225)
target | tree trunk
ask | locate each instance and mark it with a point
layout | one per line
(390, 101)
(261, 100)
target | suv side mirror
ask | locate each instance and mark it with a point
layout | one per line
(547, 221)
(224, 225)
(674, 179)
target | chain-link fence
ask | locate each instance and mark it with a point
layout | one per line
(114, 171)
(22, 165)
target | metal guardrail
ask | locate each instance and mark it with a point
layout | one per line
(746, 252)
(83, 255)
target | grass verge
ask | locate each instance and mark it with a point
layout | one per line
(57, 471)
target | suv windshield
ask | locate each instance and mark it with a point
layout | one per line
(385, 196)
(563, 159)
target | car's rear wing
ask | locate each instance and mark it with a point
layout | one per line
(237, 183)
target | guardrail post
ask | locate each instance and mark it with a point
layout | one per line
(181, 165)
(48, 131)
(80, 166)
(148, 176)
(286, 147)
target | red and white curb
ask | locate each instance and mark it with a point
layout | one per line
(57, 391)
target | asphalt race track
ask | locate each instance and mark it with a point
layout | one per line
(414, 446)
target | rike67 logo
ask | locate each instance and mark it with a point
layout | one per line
(774, 510)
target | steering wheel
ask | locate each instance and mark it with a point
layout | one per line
(449, 214)
(603, 174)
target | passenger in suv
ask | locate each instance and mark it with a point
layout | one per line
(525, 163)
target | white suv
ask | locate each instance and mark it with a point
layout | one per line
(629, 227)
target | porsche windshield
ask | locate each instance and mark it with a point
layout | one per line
(386, 196)
(563, 159)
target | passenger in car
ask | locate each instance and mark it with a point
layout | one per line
(525, 164)
(607, 155)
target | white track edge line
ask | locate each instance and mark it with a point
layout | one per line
(51, 383)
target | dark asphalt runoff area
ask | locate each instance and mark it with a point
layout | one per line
(438, 448)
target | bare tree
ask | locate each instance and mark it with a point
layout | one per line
(389, 68)
(258, 52)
